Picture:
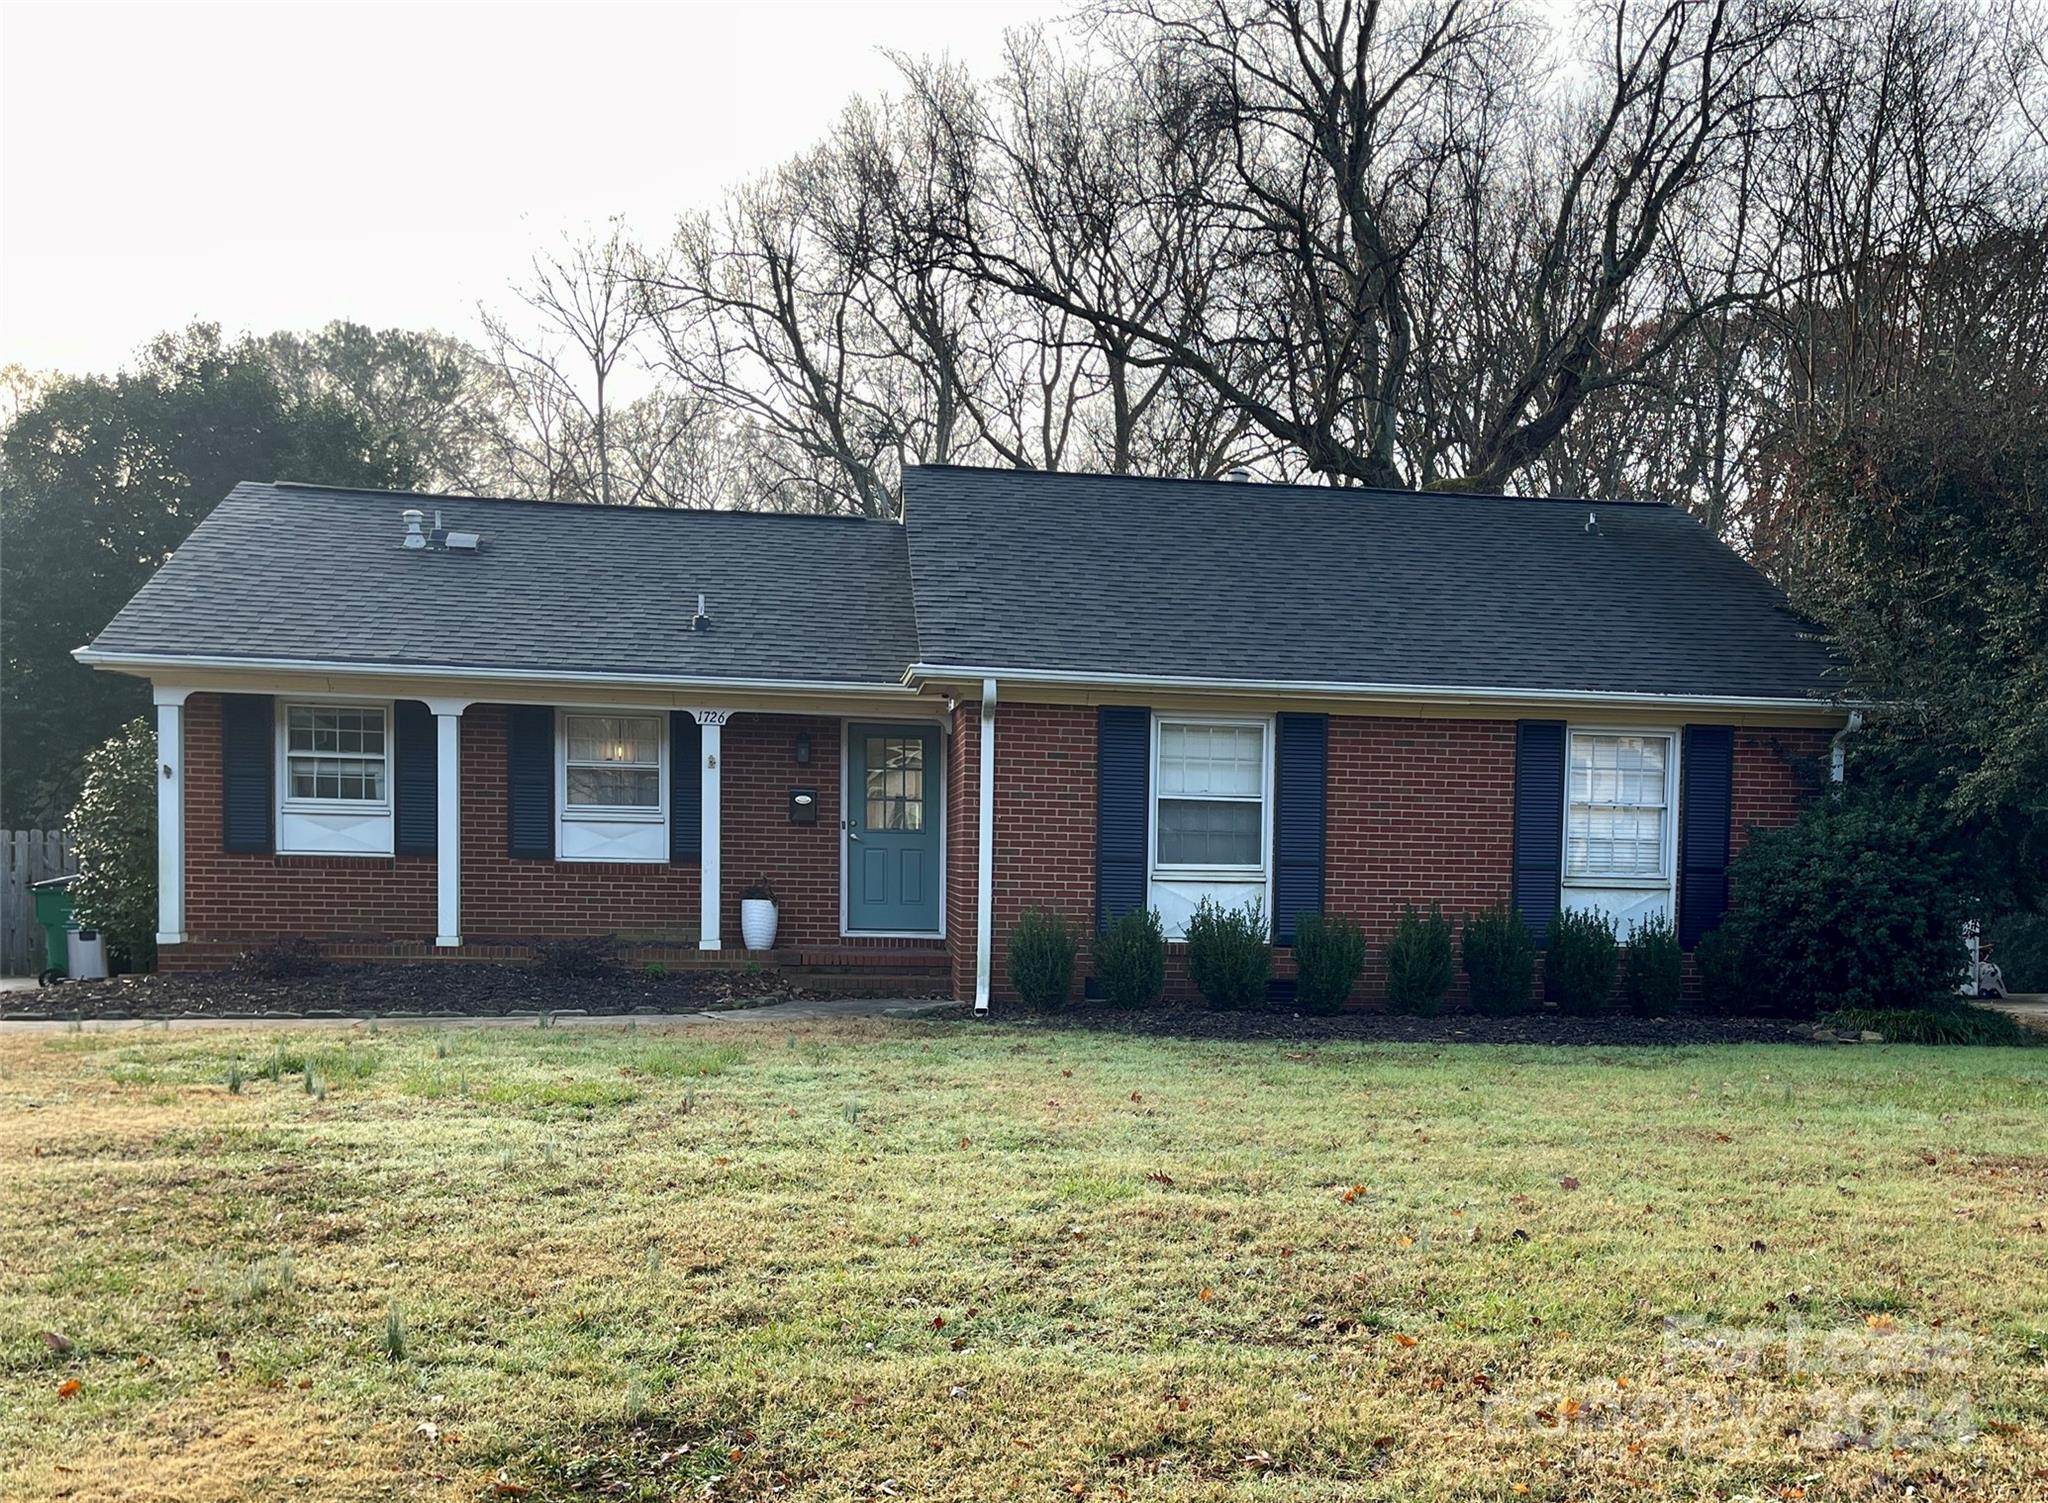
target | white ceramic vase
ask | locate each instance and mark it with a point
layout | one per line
(757, 923)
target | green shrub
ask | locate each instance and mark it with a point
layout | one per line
(1041, 962)
(1653, 972)
(290, 957)
(1937, 1023)
(577, 959)
(1718, 958)
(2019, 946)
(113, 835)
(1230, 954)
(1130, 959)
(1578, 971)
(1329, 954)
(1500, 960)
(1857, 904)
(1419, 962)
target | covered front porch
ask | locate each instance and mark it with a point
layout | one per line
(392, 816)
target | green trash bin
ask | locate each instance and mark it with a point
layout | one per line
(53, 912)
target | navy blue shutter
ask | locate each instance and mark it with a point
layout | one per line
(1539, 823)
(415, 777)
(1705, 806)
(685, 788)
(248, 772)
(1301, 764)
(1123, 790)
(530, 781)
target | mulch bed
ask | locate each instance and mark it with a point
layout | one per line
(1396, 1028)
(385, 990)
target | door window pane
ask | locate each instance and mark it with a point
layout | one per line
(895, 782)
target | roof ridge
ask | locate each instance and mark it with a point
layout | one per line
(1286, 485)
(376, 492)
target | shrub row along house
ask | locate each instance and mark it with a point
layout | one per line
(401, 725)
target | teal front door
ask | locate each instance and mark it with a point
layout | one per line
(892, 829)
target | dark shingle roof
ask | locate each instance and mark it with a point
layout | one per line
(304, 572)
(1297, 585)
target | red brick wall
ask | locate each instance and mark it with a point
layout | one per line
(1420, 811)
(1775, 772)
(963, 845)
(233, 899)
(1045, 829)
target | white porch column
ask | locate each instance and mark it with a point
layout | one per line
(170, 814)
(711, 725)
(985, 875)
(447, 821)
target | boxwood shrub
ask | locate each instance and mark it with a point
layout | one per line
(1578, 970)
(1653, 972)
(1230, 954)
(1329, 955)
(1419, 962)
(1130, 959)
(1041, 959)
(1500, 961)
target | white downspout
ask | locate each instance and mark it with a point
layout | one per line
(985, 876)
(1838, 753)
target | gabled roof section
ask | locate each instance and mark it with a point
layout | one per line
(1105, 577)
(310, 573)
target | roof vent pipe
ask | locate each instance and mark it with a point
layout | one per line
(1239, 475)
(413, 517)
(702, 620)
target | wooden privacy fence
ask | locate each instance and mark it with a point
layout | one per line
(31, 856)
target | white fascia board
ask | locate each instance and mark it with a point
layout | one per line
(920, 673)
(152, 663)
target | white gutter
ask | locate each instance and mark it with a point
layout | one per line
(93, 658)
(985, 874)
(919, 672)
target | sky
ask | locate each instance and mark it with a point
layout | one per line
(274, 166)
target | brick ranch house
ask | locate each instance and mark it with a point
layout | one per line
(530, 720)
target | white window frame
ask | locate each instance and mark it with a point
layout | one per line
(1667, 881)
(1262, 871)
(332, 826)
(569, 815)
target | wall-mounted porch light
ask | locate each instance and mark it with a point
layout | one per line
(803, 748)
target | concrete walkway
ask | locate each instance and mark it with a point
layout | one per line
(771, 1012)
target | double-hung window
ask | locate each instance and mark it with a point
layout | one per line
(614, 785)
(334, 795)
(1210, 782)
(337, 755)
(1618, 828)
(612, 765)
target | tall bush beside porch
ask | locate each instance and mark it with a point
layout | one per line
(113, 834)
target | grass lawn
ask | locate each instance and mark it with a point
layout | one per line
(940, 1260)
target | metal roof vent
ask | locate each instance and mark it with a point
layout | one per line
(702, 620)
(1239, 475)
(440, 538)
(1593, 526)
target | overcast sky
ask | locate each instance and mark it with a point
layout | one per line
(274, 166)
